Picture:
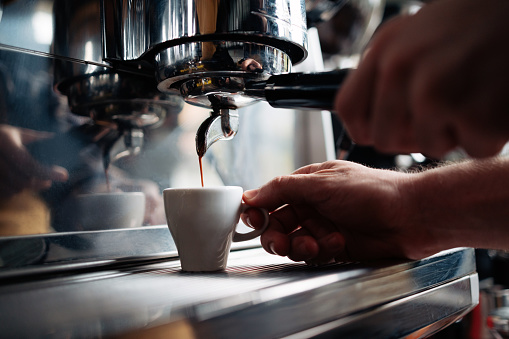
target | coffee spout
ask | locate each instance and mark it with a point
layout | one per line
(221, 125)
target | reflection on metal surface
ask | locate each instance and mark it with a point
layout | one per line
(134, 30)
(345, 35)
(108, 59)
(29, 255)
(200, 46)
(107, 96)
(496, 295)
(264, 295)
(218, 45)
(318, 11)
(416, 316)
(498, 323)
(225, 73)
(126, 99)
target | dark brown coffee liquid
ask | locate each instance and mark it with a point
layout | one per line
(201, 170)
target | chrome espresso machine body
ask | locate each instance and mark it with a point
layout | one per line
(201, 50)
(138, 88)
(109, 76)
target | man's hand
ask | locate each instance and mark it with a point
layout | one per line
(337, 211)
(347, 212)
(433, 81)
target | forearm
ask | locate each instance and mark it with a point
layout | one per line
(465, 204)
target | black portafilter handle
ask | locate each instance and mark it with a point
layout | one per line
(313, 91)
(301, 90)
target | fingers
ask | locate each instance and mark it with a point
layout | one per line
(391, 126)
(329, 241)
(356, 101)
(253, 218)
(315, 248)
(292, 189)
(295, 228)
(418, 83)
(275, 239)
(353, 101)
(299, 188)
(446, 122)
(282, 223)
(303, 246)
(395, 122)
(302, 235)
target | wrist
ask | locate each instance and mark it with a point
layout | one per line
(421, 223)
(465, 204)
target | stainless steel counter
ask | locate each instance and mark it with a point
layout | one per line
(259, 296)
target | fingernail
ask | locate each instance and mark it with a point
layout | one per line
(272, 248)
(250, 194)
(248, 221)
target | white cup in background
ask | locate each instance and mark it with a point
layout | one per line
(203, 224)
(104, 211)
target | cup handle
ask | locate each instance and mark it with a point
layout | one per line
(237, 237)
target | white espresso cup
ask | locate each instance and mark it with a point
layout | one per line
(203, 223)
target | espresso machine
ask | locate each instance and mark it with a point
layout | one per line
(156, 83)
(126, 68)
(135, 59)
(105, 76)
(111, 78)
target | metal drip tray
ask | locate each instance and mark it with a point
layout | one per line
(259, 294)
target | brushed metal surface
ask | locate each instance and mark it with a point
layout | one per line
(265, 295)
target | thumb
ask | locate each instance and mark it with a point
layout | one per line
(295, 189)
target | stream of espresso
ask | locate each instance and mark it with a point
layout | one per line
(201, 148)
(201, 170)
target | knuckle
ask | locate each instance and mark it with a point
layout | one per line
(279, 183)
